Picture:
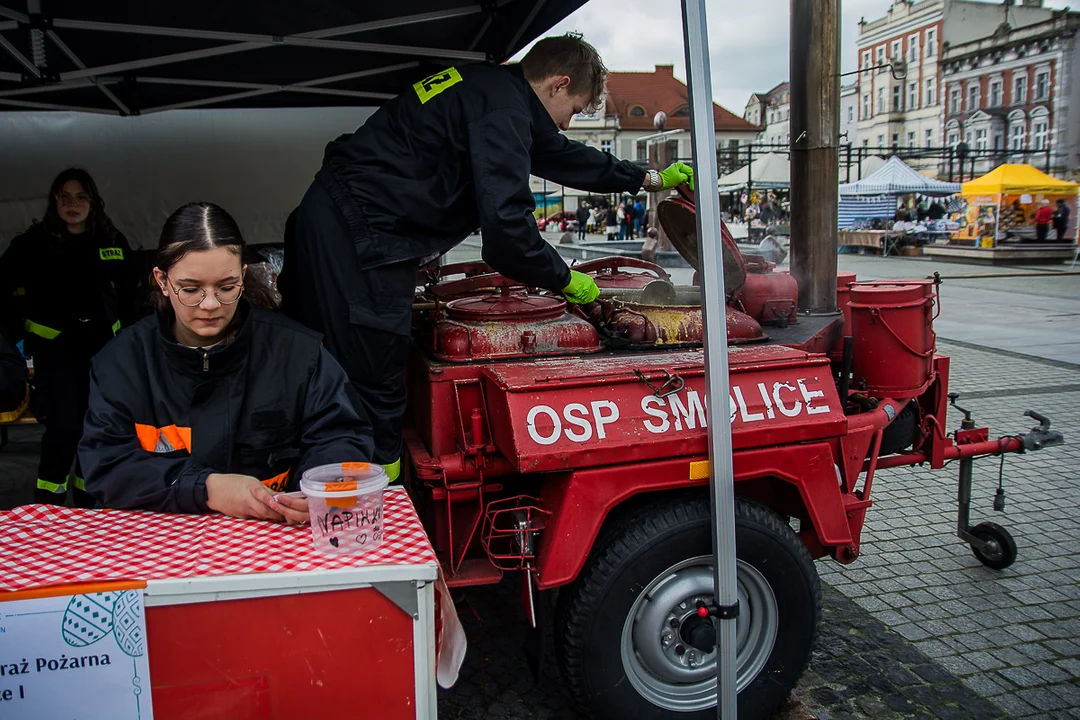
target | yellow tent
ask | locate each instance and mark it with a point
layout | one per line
(1017, 180)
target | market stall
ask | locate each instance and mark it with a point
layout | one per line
(1001, 205)
(861, 221)
(869, 206)
(206, 616)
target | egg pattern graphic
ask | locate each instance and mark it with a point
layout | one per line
(128, 630)
(89, 618)
(94, 616)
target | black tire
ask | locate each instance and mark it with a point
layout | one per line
(635, 550)
(1006, 553)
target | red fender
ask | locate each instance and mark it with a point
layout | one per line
(580, 501)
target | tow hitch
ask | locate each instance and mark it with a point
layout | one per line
(992, 544)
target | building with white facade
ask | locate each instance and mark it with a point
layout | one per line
(772, 111)
(755, 111)
(901, 101)
(849, 113)
(1017, 90)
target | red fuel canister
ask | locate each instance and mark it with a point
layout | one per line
(892, 324)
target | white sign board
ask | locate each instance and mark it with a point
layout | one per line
(77, 657)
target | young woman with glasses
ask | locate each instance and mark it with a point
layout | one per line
(214, 403)
(66, 288)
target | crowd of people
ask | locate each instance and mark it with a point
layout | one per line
(624, 220)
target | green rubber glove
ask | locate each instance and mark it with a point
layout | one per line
(582, 288)
(676, 174)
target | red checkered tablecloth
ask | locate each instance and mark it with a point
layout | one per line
(48, 545)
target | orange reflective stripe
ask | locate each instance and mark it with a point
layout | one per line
(148, 436)
(276, 483)
(177, 437)
(340, 486)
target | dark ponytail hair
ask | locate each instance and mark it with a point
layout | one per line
(97, 222)
(202, 226)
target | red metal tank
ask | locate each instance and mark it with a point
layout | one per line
(511, 324)
(892, 323)
(771, 298)
(610, 272)
(843, 297)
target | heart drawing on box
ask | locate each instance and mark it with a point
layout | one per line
(91, 617)
(334, 541)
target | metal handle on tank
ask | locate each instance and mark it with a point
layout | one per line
(875, 312)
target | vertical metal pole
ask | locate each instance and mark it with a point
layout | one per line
(721, 485)
(749, 174)
(815, 126)
(963, 497)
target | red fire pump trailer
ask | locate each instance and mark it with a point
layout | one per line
(570, 444)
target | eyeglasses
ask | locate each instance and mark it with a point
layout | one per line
(194, 296)
(67, 199)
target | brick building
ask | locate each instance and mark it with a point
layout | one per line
(904, 106)
(1016, 90)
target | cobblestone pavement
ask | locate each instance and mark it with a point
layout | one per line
(1011, 636)
(860, 669)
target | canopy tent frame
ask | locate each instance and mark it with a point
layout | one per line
(38, 85)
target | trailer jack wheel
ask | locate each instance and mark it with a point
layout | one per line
(629, 634)
(998, 547)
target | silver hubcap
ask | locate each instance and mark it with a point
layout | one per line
(668, 672)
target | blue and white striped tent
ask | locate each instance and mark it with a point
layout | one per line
(897, 178)
(853, 209)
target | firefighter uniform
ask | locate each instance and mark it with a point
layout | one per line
(67, 295)
(269, 404)
(450, 155)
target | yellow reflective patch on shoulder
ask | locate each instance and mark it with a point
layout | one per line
(113, 253)
(429, 87)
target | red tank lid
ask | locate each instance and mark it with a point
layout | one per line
(509, 305)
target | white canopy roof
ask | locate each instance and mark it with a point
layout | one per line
(897, 178)
(768, 171)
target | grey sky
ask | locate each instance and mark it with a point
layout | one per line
(748, 38)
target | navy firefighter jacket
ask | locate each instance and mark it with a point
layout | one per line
(270, 404)
(453, 153)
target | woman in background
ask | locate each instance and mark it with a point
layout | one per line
(66, 288)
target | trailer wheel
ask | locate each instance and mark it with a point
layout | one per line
(619, 630)
(1002, 551)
